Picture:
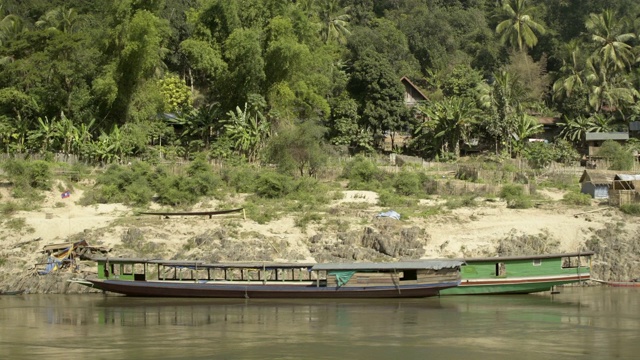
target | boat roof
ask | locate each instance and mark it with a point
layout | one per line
(202, 264)
(400, 265)
(529, 257)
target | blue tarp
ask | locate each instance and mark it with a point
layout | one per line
(53, 264)
(392, 214)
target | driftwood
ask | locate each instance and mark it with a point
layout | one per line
(26, 242)
(592, 211)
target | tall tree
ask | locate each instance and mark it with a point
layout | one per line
(519, 28)
(608, 32)
(448, 123)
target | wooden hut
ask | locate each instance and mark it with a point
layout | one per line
(624, 189)
(596, 183)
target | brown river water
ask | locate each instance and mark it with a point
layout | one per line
(578, 323)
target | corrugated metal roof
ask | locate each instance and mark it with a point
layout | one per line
(595, 136)
(400, 265)
(634, 126)
(627, 177)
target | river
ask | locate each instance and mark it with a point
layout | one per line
(578, 323)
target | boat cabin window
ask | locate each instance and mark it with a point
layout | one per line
(409, 275)
(501, 269)
(537, 262)
(570, 262)
(127, 269)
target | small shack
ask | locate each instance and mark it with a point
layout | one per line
(596, 183)
(624, 190)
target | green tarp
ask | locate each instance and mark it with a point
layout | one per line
(342, 277)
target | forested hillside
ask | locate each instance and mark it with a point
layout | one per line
(255, 79)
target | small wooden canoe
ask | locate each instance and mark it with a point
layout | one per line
(192, 213)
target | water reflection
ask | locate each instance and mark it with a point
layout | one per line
(597, 323)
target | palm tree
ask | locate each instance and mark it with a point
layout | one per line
(59, 19)
(609, 35)
(449, 123)
(200, 123)
(519, 29)
(606, 90)
(11, 26)
(575, 129)
(503, 101)
(572, 72)
(334, 21)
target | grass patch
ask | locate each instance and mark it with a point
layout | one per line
(9, 208)
(631, 209)
(515, 197)
(18, 225)
(576, 198)
(461, 201)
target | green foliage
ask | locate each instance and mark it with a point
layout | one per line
(26, 175)
(362, 173)
(8, 208)
(176, 94)
(619, 157)
(462, 201)
(18, 225)
(539, 154)
(631, 209)
(515, 197)
(242, 178)
(390, 199)
(299, 150)
(407, 183)
(272, 185)
(576, 198)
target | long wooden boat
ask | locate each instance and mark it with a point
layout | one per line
(633, 283)
(12, 292)
(521, 274)
(165, 278)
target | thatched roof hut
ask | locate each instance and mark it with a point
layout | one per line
(596, 183)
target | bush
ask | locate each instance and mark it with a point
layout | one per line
(29, 174)
(362, 173)
(539, 155)
(272, 185)
(576, 198)
(631, 209)
(515, 197)
(241, 178)
(619, 157)
(9, 207)
(407, 183)
(389, 199)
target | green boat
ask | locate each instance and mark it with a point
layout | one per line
(521, 274)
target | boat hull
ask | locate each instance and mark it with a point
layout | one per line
(622, 283)
(259, 291)
(523, 285)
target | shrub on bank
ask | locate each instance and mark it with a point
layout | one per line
(25, 175)
(576, 198)
(631, 209)
(515, 197)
